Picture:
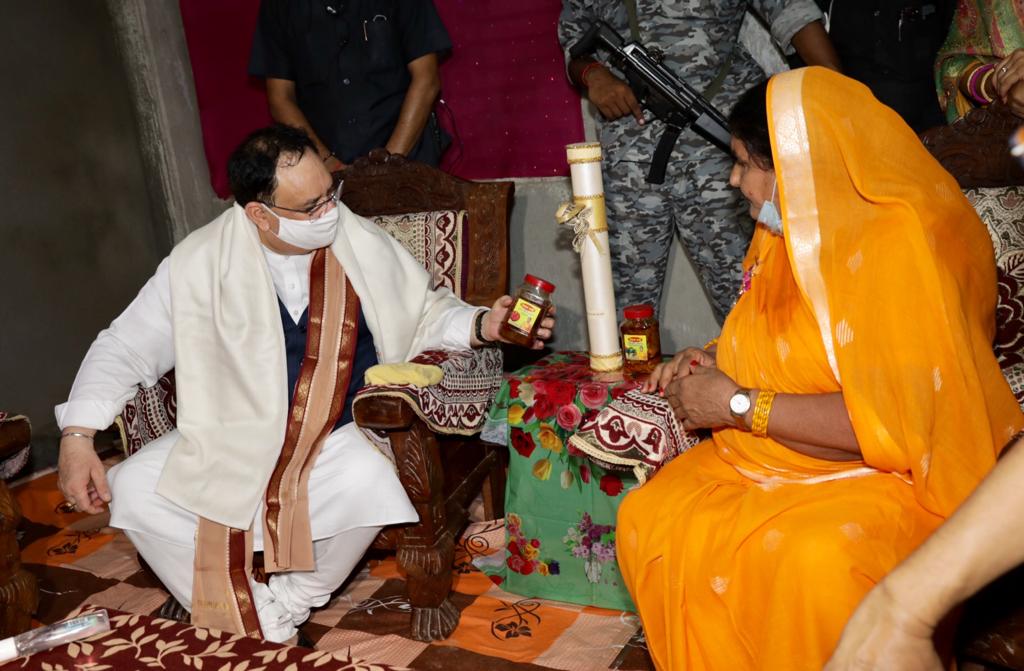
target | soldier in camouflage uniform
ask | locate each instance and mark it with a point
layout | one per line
(698, 38)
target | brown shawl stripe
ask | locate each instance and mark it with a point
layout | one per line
(221, 589)
(240, 572)
(300, 399)
(320, 391)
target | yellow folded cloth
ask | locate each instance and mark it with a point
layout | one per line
(415, 374)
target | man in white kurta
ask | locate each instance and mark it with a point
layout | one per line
(210, 312)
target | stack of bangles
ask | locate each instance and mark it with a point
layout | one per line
(762, 410)
(978, 81)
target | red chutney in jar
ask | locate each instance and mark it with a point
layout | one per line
(530, 305)
(641, 340)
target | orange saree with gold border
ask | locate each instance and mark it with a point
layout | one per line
(745, 554)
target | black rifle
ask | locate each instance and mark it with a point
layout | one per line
(668, 97)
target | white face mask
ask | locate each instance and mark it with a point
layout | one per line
(769, 214)
(308, 233)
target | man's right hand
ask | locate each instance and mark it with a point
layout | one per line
(81, 476)
(612, 96)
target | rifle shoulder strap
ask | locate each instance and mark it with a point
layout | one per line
(634, 23)
(723, 71)
(716, 84)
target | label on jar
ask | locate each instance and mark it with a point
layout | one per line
(524, 314)
(635, 346)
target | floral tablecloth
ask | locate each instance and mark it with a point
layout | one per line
(560, 507)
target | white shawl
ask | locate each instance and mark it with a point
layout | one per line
(230, 359)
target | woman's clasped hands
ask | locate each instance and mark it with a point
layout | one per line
(695, 388)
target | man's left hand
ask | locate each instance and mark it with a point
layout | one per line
(496, 316)
(700, 400)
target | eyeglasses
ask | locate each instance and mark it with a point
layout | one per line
(319, 207)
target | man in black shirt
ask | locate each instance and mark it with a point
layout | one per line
(891, 47)
(354, 74)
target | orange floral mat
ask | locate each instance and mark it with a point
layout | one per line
(80, 561)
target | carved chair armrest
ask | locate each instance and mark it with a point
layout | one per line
(456, 405)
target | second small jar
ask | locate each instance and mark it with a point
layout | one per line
(641, 340)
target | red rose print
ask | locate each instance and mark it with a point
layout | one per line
(513, 388)
(585, 473)
(611, 484)
(569, 416)
(513, 547)
(543, 408)
(527, 568)
(593, 395)
(561, 393)
(523, 443)
(535, 542)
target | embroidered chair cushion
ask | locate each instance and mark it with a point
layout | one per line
(635, 432)
(436, 239)
(151, 413)
(458, 403)
(1002, 210)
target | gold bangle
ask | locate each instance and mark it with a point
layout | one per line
(709, 344)
(762, 410)
(985, 77)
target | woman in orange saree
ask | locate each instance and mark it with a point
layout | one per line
(870, 313)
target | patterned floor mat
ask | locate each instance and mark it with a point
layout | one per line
(78, 560)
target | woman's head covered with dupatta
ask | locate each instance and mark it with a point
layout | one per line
(898, 272)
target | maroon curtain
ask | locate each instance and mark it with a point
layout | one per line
(505, 83)
(507, 103)
(231, 103)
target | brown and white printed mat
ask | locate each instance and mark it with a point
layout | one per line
(78, 561)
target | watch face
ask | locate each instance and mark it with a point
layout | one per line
(739, 404)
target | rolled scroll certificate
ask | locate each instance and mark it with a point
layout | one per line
(592, 244)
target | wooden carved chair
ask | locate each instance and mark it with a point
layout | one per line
(19, 592)
(459, 231)
(975, 151)
(441, 473)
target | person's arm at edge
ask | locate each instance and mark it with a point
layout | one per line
(419, 100)
(136, 349)
(982, 540)
(814, 46)
(284, 108)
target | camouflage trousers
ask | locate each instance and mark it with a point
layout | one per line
(695, 204)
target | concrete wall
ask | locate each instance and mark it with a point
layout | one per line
(538, 245)
(77, 228)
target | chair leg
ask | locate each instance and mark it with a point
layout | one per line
(426, 550)
(494, 487)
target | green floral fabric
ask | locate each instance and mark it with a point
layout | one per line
(560, 507)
